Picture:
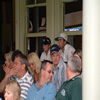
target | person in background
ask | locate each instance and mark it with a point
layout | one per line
(7, 67)
(43, 89)
(65, 48)
(72, 88)
(34, 66)
(8, 62)
(10, 71)
(12, 91)
(46, 49)
(59, 67)
(78, 53)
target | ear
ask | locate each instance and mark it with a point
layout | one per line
(23, 66)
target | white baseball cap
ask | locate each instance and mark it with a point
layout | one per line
(63, 36)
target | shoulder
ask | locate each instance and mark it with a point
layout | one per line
(68, 46)
(43, 53)
(50, 84)
(76, 84)
(62, 64)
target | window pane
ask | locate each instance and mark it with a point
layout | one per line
(35, 45)
(41, 1)
(30, 2)
(73, 16)
(37, 19)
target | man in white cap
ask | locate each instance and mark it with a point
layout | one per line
(65, 48)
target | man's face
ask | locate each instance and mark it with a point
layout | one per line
(18, 66)
(55, 58)
(48, 72)
(61, 43)
(46, 47)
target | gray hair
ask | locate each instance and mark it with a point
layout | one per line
(75, 64)
(23, 60)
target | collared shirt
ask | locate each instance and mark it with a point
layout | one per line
(68, 52)
(45, 57)
(25, 83)
(59, 74)
(46, 92)
(71, 90)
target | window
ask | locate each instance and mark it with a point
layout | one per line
(73, 15)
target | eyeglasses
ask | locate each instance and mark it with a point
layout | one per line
(49, 71)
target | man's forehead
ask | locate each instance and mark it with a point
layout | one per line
(48, 65)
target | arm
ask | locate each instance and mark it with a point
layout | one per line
(6, 78)
(3, 82)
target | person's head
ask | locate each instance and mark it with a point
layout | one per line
(62, 40)
(21, 65)
(46, 71)
(55, 54)
(78, 53)
(74, 66)
(12, 91)
(8, 60)
(15, 53)
(34, 62)
(46, 44)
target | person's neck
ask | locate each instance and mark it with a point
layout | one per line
(63, 49)
(73, 75)
(55, 66)
(41, 83)
(47, 52)
(22, 74)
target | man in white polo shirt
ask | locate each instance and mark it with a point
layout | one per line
(65, 48)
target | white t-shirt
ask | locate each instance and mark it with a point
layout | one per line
(68, 52)
(45, 57)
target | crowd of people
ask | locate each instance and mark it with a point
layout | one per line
(56, 75)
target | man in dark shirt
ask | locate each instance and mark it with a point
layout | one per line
(72, 88)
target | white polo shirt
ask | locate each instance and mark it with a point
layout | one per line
(45, 57)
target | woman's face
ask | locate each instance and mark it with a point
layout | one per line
(32, 66)
(8, 94)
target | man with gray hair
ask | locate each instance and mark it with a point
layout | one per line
(72, 88)
(59, 67)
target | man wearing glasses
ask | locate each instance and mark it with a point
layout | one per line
(59, 67)
(43, 89)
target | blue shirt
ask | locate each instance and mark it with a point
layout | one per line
(46, 92)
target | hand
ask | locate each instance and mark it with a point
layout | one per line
(12, 72)
(6, 68)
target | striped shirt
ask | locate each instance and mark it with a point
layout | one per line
(59, 74)
(25, 83)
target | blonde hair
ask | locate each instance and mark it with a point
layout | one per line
(8, 55)
(33, 58)
(15, 87)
